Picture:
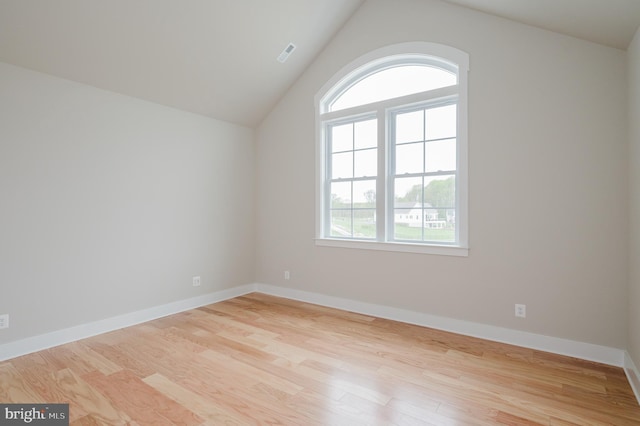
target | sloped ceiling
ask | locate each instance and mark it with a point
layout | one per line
(211, 57)
(218, 57)
(609, 22)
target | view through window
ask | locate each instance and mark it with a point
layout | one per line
(392, 166)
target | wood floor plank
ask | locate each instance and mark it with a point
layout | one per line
(424, 411)
(259, 359)
(96, 361)
(203, 407)
(123, 356)
(83, 399)
(143, 403)
(239, 367)
(41, 377)
(14, 388)
(86, 421)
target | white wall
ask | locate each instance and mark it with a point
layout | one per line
(110, 204)
(634, 157)
(548, 181)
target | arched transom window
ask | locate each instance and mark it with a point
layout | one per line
(392, 152)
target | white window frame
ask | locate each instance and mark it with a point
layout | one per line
(433, 54)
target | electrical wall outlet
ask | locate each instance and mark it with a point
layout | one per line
(196, 281)
(521, 311)
(4, 321)
(287, 275)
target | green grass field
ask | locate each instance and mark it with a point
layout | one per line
(341, 227)
(405, 232)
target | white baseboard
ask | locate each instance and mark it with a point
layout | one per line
(60, 337)
(586, 351)
(633, 375)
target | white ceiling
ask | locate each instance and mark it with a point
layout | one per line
(609, 22)
(218, 57)
(212, 57)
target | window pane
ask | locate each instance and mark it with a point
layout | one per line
(340, 223)
(440, 155)
(407, 191)
(366, 163)
(407, 224)
(394, 82)
(364, 194)
(410, 127)
(366, 134)
(342, 138)
(440, 191)
(340, 195)
(342, 165)
(430, 215)
(364, 223)
(441, 122)
(439, 225)
(409, 158)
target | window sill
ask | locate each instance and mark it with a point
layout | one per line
(443, 250)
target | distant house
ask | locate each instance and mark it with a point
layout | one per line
(418, 214)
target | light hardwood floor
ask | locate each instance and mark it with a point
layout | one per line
(259, 359)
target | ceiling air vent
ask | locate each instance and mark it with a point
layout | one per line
(286, 52)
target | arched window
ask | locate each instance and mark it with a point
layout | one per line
(392, 147)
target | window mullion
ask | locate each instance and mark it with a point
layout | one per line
(353, 175)
(391, 173)
(327, 183)
(381, 178)
(424, 168)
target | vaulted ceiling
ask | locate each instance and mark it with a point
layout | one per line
(609, 22)
(218, 57)
(212, 57)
